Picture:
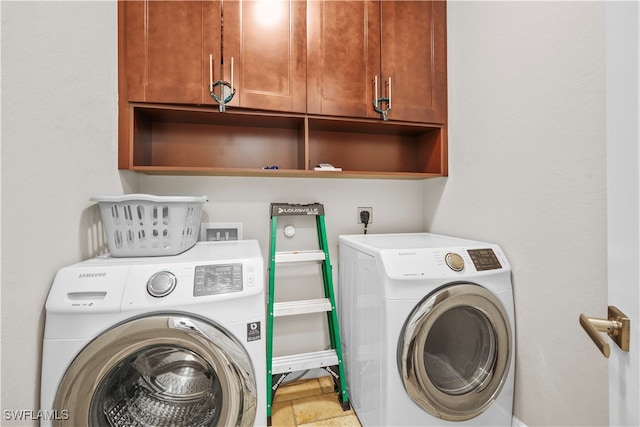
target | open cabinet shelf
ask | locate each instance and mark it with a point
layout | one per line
(377, 147)
(167, 139)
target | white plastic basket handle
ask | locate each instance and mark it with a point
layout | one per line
(149, 198)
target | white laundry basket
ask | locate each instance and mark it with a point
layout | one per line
(140, 225)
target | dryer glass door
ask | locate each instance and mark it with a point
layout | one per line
(454, 351)
(160, 370)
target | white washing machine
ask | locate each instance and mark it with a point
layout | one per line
(427, 324)
(156, 341)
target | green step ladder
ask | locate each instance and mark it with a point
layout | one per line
(278, 368)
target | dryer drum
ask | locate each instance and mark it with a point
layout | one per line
(454, 351)
(463, 364)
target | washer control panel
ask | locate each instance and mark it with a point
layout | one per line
(218, 279)
(161, 284)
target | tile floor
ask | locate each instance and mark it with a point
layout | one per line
(310, 402)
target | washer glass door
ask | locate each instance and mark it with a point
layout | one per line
(454, 351)
(160, 370)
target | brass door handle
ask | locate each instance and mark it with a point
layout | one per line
(617, 326)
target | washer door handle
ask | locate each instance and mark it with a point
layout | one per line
(617, 326)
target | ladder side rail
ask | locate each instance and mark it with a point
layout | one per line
(327, 279)
(270, 312)
(332, 316)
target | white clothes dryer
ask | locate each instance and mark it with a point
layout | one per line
(158, 341)
(427, 324)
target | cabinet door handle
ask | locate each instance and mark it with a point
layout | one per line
(232, 87)
(376, 101)
(225, 95)
(210, 73)
(389, 95)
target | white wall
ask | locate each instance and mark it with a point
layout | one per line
(58, 147)
(527, 170)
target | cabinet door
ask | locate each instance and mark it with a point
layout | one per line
(168, 44)
(343, 57)
(414, 56)
(267, 40)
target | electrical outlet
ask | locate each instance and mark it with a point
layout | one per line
(367, 209)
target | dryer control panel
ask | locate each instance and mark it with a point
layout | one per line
(484, 259)
(454, 261)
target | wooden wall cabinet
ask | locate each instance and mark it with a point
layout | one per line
(165, 47)
(174, 50)
(269, 44)
(304, 87)
(351, 43)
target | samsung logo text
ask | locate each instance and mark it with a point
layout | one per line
(91, 275)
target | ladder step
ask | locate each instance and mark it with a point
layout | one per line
(301, 307)
(304, 361)
(299, 256)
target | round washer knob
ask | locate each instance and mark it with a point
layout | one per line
(161, 284)
(454, 261)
